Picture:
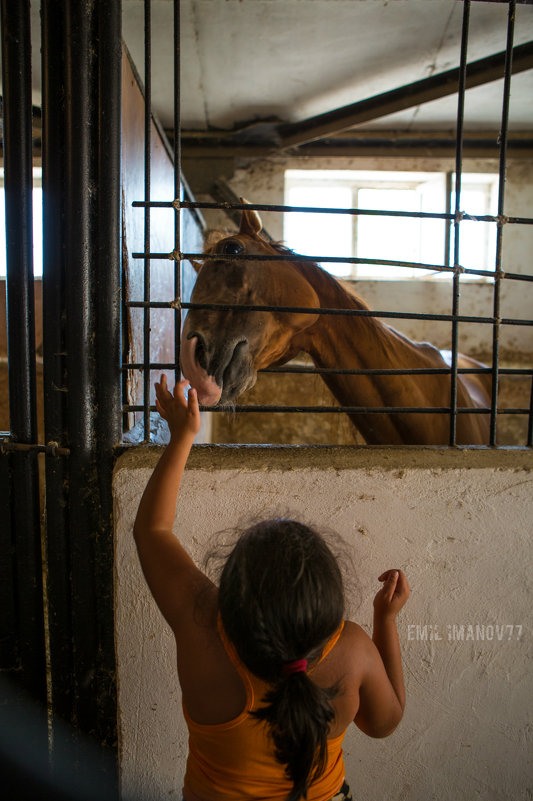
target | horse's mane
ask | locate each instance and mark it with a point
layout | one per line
(343, 293)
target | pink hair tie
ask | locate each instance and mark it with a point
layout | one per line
(298, 666)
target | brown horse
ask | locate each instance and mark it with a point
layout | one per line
(222, 350)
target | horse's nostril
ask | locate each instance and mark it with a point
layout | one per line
(200, 354)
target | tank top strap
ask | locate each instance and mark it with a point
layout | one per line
(245, 674)
(331, 643)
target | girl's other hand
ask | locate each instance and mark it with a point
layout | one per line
(393, 595)
(181, 414)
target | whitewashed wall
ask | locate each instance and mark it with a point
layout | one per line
(459, 523)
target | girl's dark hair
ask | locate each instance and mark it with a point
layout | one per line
(281, 599)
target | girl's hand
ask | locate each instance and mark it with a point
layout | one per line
(182, 416)
(393, 595)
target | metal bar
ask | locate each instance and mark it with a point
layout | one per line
(499, 237)
(448, 223)
(318, 310)
(478, 72)
(327, 259)
(54, 356)
(189, 204)
(177, 183)
(529, 440)
(106, 324)
(519, 371)
(457, 221)
(25, 519)
(347, 409)
(147, 187)
(52, 448)
(81, 57)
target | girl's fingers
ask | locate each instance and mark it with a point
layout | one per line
(392, 581)
(160, 408)
(192, 401)
(179, 389)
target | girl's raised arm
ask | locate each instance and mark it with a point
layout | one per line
(173, 578)
(382, 693)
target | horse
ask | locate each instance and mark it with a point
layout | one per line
(222, 350)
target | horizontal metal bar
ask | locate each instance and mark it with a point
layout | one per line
(297, 258)
(226, 206)
(52, 448)
(330, 259)
(343, 409)
(519, 371)
(172, 304)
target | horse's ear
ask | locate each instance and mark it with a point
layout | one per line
(197, 265)
(251, 223)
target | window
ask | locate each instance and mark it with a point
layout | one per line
(37, 224)
(381, 239)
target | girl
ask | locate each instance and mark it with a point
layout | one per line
(271, 673)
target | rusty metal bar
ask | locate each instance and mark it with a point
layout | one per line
(52, 448)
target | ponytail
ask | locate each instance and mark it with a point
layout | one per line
(299, 713)
(281, 599)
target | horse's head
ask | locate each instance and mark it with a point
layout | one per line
(222, 350)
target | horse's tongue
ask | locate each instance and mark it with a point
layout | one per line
(208, 390)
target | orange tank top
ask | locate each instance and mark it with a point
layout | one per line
(235, 761)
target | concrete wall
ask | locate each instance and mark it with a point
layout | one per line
(458, 522)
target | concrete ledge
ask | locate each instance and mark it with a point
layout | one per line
(292, 457)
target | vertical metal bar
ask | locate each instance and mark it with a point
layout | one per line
(54, 367)
(499, 236)
(147, 182)
(177, 185)
(457, 221)
(17, 136)
(81, 154)
(107, 300)
(530, 421)
(448, 223)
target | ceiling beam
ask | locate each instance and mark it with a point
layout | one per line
(476, 144)
(479, 72)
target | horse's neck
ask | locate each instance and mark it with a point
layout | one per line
(360, 342)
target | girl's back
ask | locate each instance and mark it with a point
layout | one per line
(271, 675)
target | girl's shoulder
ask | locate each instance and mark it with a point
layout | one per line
(347, 660)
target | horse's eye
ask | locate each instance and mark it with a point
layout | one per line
(231, 247)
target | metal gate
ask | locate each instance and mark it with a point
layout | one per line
(457, 80)
(57, 649)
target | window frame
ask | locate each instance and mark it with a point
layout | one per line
(357, 180)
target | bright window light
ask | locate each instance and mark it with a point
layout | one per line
(379, 238)
(37, 224)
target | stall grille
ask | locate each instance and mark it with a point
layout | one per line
(454, 217)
